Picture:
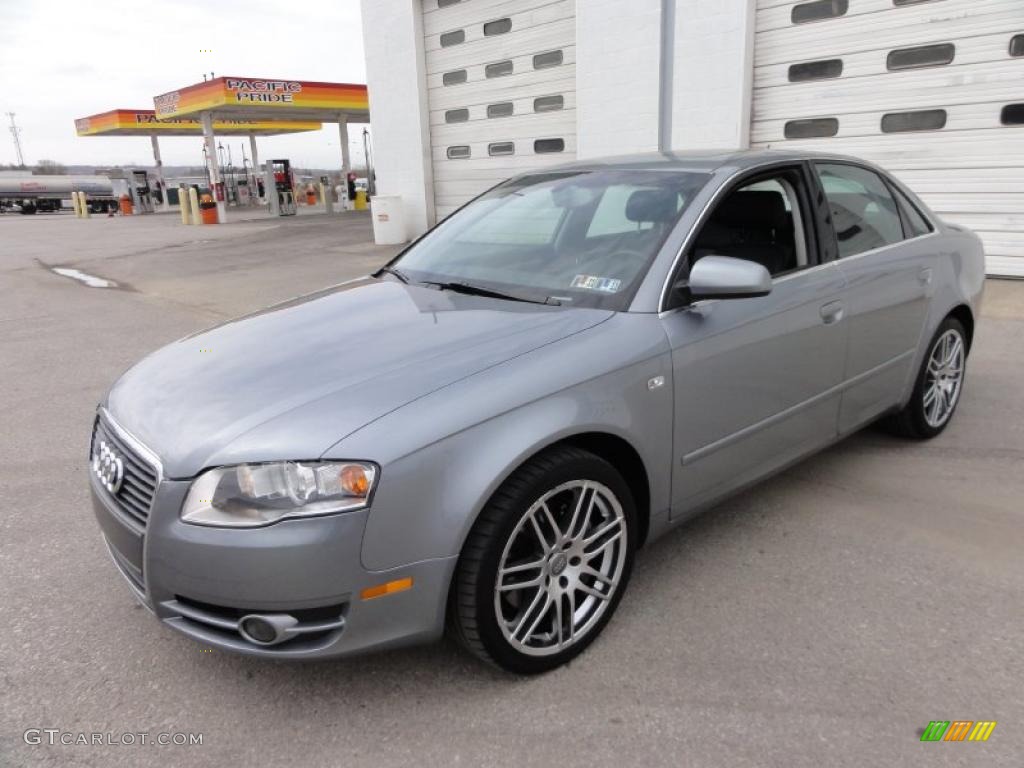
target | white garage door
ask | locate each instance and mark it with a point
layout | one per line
(932, 90)
(501, 88)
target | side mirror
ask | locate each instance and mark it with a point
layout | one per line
(723, 277)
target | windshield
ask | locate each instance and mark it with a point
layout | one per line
(578, 238)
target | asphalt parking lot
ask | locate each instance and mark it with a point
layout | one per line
(820, 619)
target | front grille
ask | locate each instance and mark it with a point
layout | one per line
(135, 496)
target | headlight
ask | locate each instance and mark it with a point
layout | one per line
(250, 495)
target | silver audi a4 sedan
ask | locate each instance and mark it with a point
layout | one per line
(484, 432)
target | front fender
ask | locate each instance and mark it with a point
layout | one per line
(444, 456)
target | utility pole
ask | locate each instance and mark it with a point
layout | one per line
(15, 130)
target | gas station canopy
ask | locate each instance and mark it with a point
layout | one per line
(144, 122)
(241, 98)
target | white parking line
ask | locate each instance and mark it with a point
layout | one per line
(91, 280)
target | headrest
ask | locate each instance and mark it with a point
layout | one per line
(752, 210)
(652, 205)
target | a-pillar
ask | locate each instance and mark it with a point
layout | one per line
(346, 161)
(211, 158)
(165, 205)
(256, 174)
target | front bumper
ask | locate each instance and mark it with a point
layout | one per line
(201, 580)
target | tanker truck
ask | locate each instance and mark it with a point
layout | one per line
(30, 194)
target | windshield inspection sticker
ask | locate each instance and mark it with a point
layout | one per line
(603, 284)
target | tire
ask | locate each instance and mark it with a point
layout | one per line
(525, 627)
(922, 418)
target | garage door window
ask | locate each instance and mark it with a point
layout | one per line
(504, 109)
(456, 116)
(497, 27)
(548, 103)
(819, 10)
(815, 70)
(1017, 45)
(446, 3)
(863, 210)
(809, 129)
(544, 146)
(454, 78)
(1013, 114)
(923, 120)
(453, 38)
(498, 69)
(460, 152)
(548, 59)
(920, 56)
(499, 148)
(899, 3)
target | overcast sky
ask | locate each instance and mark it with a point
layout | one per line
(64, 59)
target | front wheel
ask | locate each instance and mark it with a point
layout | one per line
(938, 386)
(546, 563)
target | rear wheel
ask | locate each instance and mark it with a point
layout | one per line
(546, 563)
(938, 386)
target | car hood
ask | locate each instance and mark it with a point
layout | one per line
(290, 381)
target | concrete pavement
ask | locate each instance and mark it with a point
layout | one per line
(820, 619)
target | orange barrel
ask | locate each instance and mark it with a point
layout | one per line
(310, 196)
(207, 209)
(126, 205)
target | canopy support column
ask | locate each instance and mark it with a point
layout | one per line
(165, 204)
(256, 174)
(211, 158)
(346, 161)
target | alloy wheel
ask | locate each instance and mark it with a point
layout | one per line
(943, 378)
(560, 568)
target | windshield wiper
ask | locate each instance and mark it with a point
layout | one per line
(392, 271)
(479, 290)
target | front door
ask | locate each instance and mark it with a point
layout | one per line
(757, 380)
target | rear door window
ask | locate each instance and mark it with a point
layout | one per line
(863, 210)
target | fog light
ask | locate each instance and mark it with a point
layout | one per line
(259, 630)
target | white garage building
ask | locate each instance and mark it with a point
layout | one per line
(464, 93)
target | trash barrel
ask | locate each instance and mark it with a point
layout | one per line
(208, 209)
(126, 205)
(388, 220)
(360, 204)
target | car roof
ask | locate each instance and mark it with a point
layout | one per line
(706, 161)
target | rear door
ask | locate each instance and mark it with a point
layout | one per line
(888, 262)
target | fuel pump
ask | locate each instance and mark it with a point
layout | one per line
(279, 187)
(142, 195)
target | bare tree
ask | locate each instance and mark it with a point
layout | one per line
(50, 168)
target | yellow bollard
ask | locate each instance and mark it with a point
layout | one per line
(193, 201)
(360, 200)
(75, 205)
(84, 202)
(183, 205)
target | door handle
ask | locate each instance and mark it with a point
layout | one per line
(832, 312)
(925, 276)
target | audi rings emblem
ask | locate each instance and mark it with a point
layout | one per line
(108, 467)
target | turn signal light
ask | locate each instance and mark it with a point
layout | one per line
(354, 480)
(398, 585)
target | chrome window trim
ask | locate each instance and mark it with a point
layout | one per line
(701, 218)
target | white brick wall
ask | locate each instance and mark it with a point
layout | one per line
(617, 64)
(393, 41)
(714, 47)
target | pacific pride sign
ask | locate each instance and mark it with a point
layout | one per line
(264, 91)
